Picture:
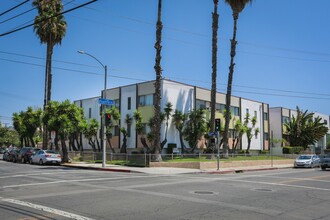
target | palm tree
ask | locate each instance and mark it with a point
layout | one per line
(195, 128)
(167, 113)
(304, 129)
(128, 122)
(215, 21)
(158, 70)
(50, 27)
(250, 130)
(179, 120)
(237, 7)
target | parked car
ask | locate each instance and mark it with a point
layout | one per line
(33, 152)
(325, 162)
(12, 155)
(5, 155)
(307, 161)
(46, 157)
(25, 154)
(2, 151)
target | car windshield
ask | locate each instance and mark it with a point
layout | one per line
(305, 157)
(51, 152)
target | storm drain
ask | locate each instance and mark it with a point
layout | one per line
(204, 192)
(263, 190)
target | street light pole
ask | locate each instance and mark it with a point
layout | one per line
(104, 95)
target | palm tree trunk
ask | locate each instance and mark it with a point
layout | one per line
(215, 22)
(229, 85)
(158, 70)
(65, 156)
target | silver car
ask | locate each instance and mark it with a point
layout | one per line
(46, 157)
(307, 161)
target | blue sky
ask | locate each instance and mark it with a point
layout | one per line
(283, 51)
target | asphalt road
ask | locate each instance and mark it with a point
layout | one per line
(29, 192)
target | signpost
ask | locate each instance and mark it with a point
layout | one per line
(105, 101)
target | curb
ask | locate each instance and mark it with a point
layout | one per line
(243, 170)
(101, 168)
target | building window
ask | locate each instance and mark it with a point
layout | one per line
(128, 130)
(129, 103)
(90, 113)
(234, 110)
(255, 114)
(265, 116)
(116, 103)
(200, 104)
(247, 111)
(220, 107)
(266, 136)
(146, 100)
(325, 122)
(285, 119)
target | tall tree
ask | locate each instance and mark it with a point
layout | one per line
(8, 137)
(158, 70)
(237, 7)
(215, 21)
(50, 27)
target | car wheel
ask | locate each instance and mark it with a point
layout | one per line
(323, 168)
(41, 162)
(23, 161)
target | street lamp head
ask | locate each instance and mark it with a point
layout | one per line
(81, 51)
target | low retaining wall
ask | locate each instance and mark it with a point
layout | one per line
(223, 164)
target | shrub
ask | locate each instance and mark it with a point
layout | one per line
(292, 150)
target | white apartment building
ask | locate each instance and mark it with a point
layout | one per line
(183, 98)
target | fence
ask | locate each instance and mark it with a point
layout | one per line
(143, 160)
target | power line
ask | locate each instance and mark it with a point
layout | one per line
(16, 16)
(145, 80)
(54, 60)
(5, 12)
(64, 12)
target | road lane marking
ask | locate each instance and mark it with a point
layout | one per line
(47, 209)
(75, 180)
(261, 210)
(280, 184)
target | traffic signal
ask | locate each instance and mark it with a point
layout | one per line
(217, 124)
(107, 119)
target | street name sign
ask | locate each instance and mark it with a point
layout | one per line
(105, 101)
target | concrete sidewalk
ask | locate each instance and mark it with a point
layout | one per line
(171, 170)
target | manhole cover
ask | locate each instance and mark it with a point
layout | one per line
(264, 190)
(204, 192)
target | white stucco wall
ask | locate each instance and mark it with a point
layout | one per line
(253, 107)
(182, 98)
(126, 92)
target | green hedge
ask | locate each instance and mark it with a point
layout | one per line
(292, 150)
